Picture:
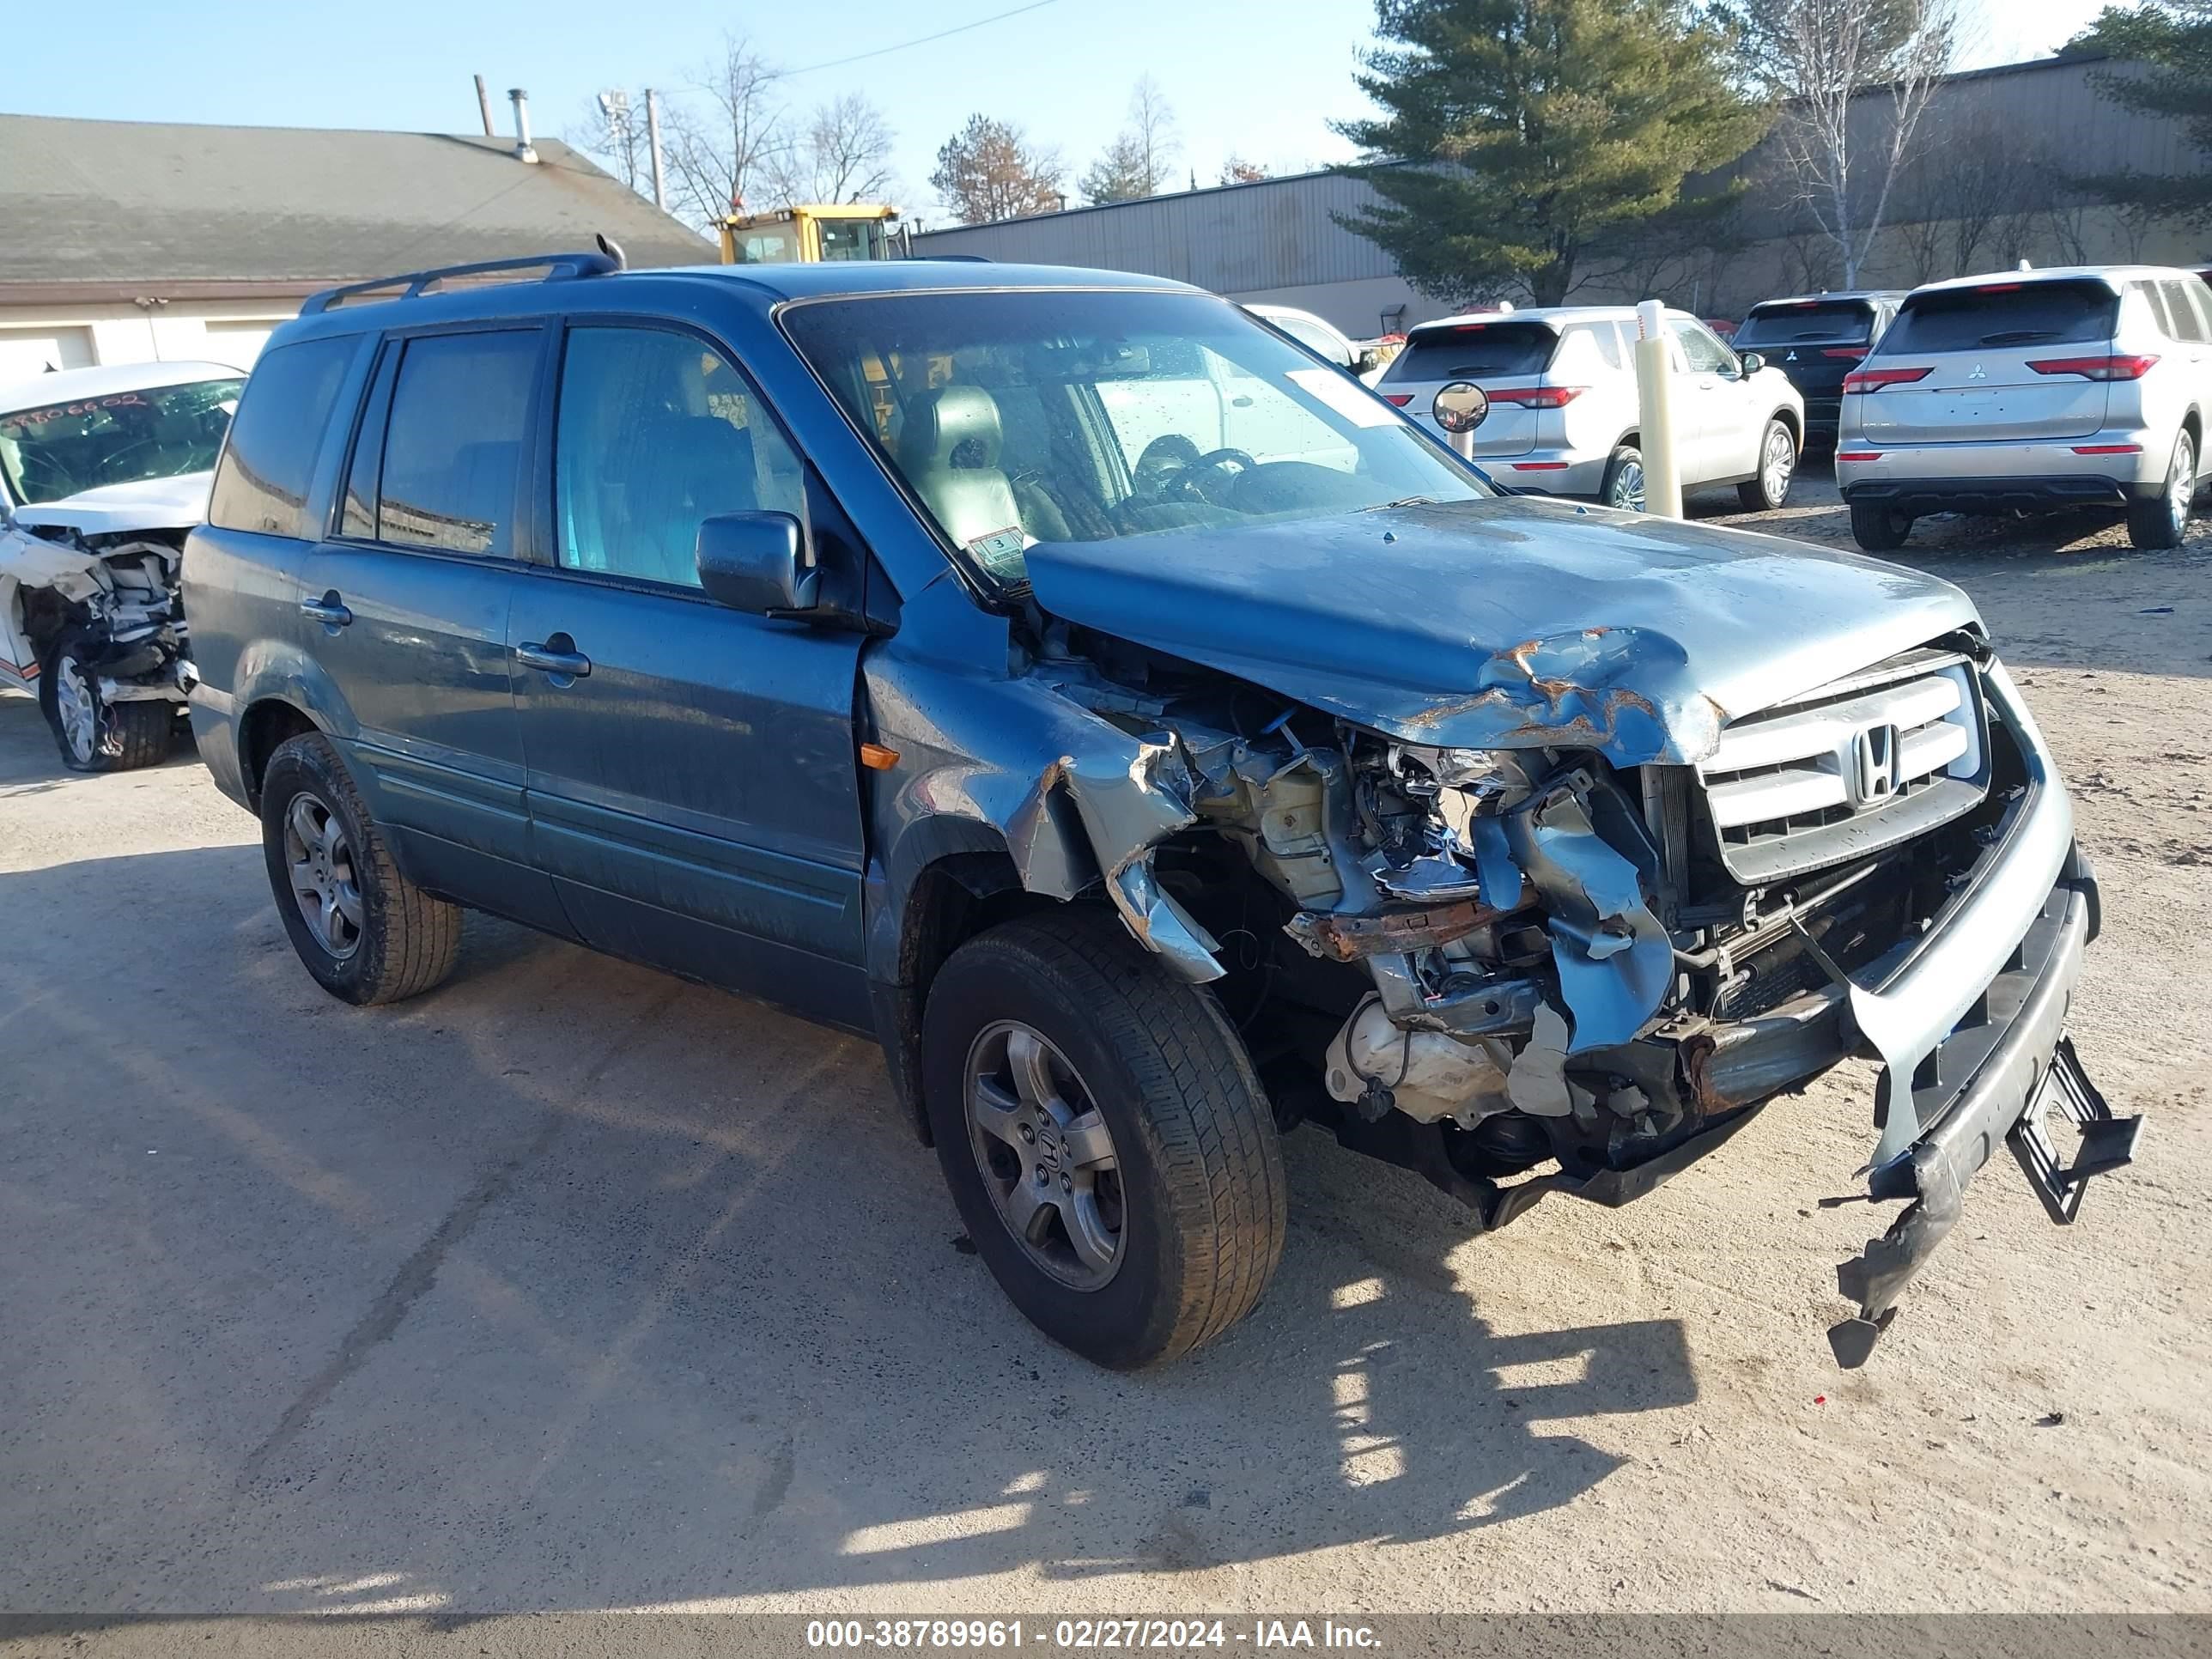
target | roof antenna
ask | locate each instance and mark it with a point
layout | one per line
(613, 249)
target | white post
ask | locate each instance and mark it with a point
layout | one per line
(1464, 442)
(1662, 476)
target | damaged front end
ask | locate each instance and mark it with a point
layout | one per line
(108, 596)
(1546, 966)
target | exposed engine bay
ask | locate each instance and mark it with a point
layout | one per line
(1477, 963)
(91, 621)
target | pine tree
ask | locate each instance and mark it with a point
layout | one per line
(2173, 40)
(1533, 128)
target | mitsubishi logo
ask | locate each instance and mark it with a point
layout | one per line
(1791, 358)
(1978, 373)
(1874, 776)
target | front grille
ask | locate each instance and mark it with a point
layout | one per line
(1858, 765)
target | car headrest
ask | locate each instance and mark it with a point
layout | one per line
(956, 426)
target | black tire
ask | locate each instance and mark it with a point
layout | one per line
(1755, 495)
(406, 941)
(121, 736)
(1879, 527)
(1201, 1189)
(1623, 460)
(2156, 524)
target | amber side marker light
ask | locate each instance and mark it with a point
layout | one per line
(877, 758)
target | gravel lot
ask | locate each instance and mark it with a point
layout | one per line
(573, 1288)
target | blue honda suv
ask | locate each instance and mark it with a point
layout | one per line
(1149, 735)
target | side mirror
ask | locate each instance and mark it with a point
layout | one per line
(756, 562)
(1365, 360)
(1752, 361)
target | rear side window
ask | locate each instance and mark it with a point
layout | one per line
(452, 444)
(2188, 325)
(2005, 315)
(262, 484)
(1839, 322)
(1474, 351)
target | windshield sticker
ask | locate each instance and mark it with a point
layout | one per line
(1000, 552)
(1348, 397)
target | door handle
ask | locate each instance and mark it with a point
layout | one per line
(548, 659)
(326, 610)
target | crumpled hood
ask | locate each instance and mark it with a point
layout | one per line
(1508, 624)
(176, 503)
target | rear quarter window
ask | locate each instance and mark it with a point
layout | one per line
(1839, 323)
(263, 481)
(1475, 351)
(2010, 314)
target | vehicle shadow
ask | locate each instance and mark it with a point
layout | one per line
(29, 762)
(573, 1285)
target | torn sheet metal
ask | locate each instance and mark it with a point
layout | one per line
(1335, 936)
(1125, 796)
(1614, 958)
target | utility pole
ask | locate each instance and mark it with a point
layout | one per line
(484, 107)
(652, 142)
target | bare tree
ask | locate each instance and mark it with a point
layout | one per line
(1974, 195)
(612, 128)
(989, 170)
(727, 142)
(1136, 163)
(842, 155)
(1852, 79)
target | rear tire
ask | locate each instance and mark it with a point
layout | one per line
(1878, 527)
(2156, 524)
(1777, 466)
(1167, 1135)
(1624, 480)
(94, 734)
(365, 932)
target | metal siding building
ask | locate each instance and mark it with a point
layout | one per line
(1278, 240)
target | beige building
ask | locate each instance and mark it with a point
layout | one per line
(130, 241)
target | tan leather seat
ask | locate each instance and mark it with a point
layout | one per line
(949, 449)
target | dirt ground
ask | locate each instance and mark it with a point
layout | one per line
(573, 1287)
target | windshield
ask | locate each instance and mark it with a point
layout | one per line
(1846, 322)
(53, 450)
(1065, 416)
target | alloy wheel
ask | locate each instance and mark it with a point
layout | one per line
(2181, 485)
(78, 706)
(1778, 463)
(1046, 1155)
(1628, 488)
(325, 883)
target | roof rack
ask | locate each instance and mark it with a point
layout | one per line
(559, 268)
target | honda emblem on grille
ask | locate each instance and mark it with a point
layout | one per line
(1875, 765)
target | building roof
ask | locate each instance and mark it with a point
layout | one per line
(97, 210)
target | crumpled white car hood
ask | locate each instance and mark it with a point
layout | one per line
(177, 503)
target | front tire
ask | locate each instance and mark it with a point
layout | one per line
(2156, 524)
(94, 734)
(1878, 527)
(1777, 466)
(365, 932)
(1105, 1138)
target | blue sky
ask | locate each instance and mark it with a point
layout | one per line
(1260, 78)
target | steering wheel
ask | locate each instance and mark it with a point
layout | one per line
(1203, 475)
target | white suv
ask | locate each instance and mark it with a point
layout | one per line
(2029, 391)
(1563, 409)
